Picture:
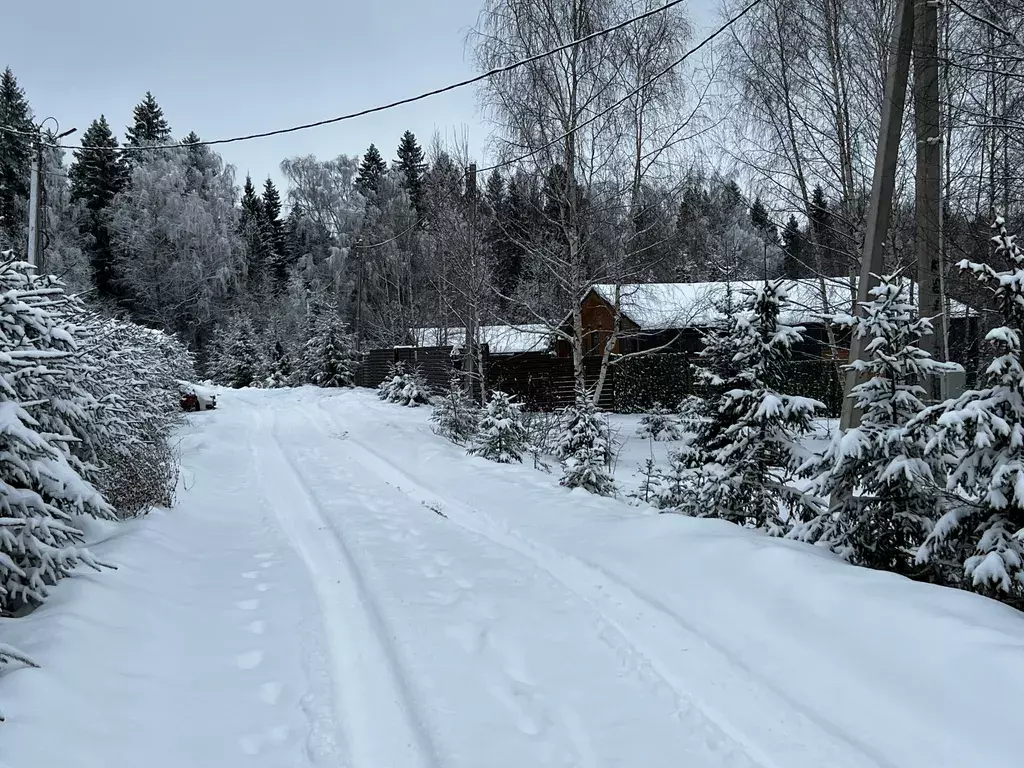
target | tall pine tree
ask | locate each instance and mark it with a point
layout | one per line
(253, 227)
(761, 219)
(275, 233)
(150, 126)
(412, 165)
(371, 171)
(97, 174)
(15, 157)
(793, 251)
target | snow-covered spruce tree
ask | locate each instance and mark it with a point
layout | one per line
(584, 448)
(403, 386)
(501, 436)
(41, 491)
(659, 423)
(455, 415)
(981, 435)
(889, 499)
(329, 359)
(744, 451)
(280, 370)
(236, 358)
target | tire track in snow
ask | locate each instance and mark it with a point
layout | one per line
(771, 727)
(371, 701)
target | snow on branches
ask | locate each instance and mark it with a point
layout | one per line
(501, 436)
(744, 449)
(76, 393)
(403, 387)
(455, 416)
(980, 434)
(659, 423)
(584, 448)
(329, 359)
(882, 487)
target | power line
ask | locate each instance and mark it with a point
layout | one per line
(505, 163)
(401, 102)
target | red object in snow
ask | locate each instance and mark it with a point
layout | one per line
(190, 402)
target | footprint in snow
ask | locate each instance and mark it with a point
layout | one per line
(270, 692)
(430, 571)
(263, 555)
(250, 575)
(266, 564)
(249, 659)
(262, 587)
(248, 605)
(257, 627)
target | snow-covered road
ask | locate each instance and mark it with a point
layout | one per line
(339, 587)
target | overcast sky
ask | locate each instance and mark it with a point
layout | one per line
(229, 67)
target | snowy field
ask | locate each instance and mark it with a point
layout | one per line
(340, 587)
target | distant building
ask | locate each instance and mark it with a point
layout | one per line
(675, 316)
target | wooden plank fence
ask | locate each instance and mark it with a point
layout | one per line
(543, 382)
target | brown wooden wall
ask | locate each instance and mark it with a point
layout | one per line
(598, 318)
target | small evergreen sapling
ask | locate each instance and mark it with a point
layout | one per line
(884, 498)
(650, 483)
(744, 450)
(501, 436)
(981, 436)
(403, 387)
(659, 423)
(584, 448)
(455, 416)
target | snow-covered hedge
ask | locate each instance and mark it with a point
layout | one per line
(87, 404)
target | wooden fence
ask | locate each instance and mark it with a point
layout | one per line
(543, 382)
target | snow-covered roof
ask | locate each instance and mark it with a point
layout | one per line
(655, 306)
(500, 339)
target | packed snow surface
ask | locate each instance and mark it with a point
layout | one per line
(340, 587)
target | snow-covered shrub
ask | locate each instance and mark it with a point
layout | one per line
(134, 373)
(882, 490)
(41, 489)
(659, 423)
(455, 416)
(981, 436)
(500, 436)
(329, 359)
(403, 387)
(584, 448)
(744, 450)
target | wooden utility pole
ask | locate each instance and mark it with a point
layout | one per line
(916, 29)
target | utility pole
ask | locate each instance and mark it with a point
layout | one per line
(928, 183)
(469, 345)
(928, 208)
(35, 218)
(34, 195)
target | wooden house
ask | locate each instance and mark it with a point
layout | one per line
(675, 316)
